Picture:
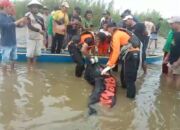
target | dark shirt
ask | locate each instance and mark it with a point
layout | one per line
(175, 48)
(73, 29)
(157, 28)
(139, 29)
(8, 30)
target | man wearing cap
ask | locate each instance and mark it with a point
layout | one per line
(130, 61)
(174, 55)
(35, 32)
(8, 34)
(61, 20)
(139, 29)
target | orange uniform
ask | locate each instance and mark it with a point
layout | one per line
(84, 37)
(119, 39)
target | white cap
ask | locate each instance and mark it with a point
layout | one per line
(128, 17)
(65, 4)
(34, 2)
(175, 19)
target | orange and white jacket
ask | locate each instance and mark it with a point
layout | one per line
(119, 38)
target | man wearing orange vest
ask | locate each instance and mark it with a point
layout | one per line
(88, 43)
(80, 47)
(130, 58)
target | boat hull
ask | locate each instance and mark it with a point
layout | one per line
(65, 58)
(46, 57)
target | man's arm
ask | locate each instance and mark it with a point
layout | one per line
(84, 50)
(115, 51)
(4, 24)
(176, 64)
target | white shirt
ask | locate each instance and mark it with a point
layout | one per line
(32, 34)
(149, 27)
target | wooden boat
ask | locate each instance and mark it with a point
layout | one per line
(46, 57)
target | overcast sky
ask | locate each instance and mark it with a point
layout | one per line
(167, 8)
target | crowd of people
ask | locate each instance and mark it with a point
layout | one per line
(126, 41)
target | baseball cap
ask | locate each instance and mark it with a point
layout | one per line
(128, 17)
(5, 3)
(65, 4)
(175, 19)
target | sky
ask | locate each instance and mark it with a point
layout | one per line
(167, 8)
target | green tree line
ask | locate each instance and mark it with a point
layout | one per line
(98, 7)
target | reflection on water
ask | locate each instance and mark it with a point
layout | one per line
(51, 98)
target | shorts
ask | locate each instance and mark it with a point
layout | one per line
(153, 36)
(9, 54)
(33, 48)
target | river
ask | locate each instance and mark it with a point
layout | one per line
(52, 98)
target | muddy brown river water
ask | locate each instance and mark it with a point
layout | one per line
(51, 98)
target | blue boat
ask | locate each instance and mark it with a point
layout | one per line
(46, 57)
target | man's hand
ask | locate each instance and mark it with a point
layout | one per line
(105, 70)
(94, 60)
(175, 65)
(22, 22)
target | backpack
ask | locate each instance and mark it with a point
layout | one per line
(134, 40)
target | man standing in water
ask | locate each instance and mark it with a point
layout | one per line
(130, 58)
(35, 32)
(8, 34)
(174, 55)
(139, 29)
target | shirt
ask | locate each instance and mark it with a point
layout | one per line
(35, 25)
(150, 27)
(8, 30)
(74, 27)
(61, 17)
(119, 38)
(50, 25)
(139, 30)
(169, 41)
(175, 48)
(87, 23)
